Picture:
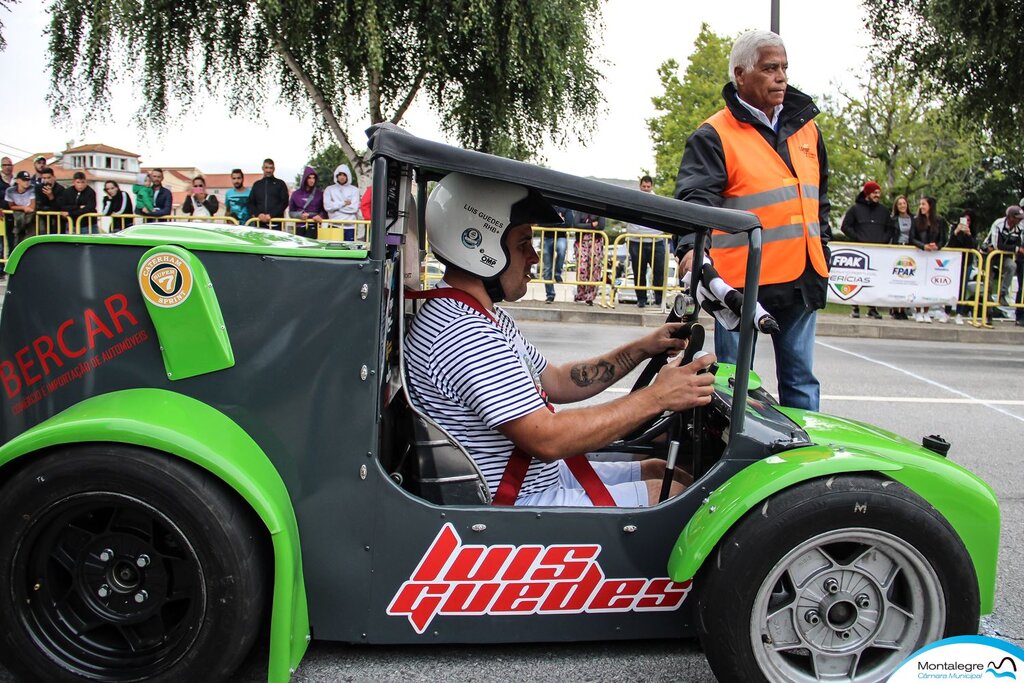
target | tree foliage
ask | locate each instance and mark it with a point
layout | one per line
(500, 76)
(5, 5)
(686, 103)
(970, 51)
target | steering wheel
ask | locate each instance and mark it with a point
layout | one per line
(658, 425)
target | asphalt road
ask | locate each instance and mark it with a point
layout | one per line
(970, 394)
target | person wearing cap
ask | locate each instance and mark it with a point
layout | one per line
(39, 163)
(21, 200)
(763, 153)
(867, 221)
(1006, 235)
(472, 371)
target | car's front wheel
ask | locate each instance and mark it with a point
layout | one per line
(837, 579)
(120, 564)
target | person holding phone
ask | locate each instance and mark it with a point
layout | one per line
(963, 238)
(200, 203)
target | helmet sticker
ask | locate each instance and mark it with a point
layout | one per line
(472, 238)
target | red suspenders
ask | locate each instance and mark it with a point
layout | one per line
(515, 471)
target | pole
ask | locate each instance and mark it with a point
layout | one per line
(775, 16)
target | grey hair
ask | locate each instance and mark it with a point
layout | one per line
(746, 48)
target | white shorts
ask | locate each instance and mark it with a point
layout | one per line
(622, 480)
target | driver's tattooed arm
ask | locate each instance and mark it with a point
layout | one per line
(602, 371)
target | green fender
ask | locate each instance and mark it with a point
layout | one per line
(187, 428)
(967, 502)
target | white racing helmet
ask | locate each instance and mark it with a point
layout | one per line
(467, 217)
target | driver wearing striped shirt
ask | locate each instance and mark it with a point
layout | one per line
(472, 371)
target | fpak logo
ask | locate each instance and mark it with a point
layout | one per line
(849, 272)
(971, 658)
(455, 579)
(905, 267)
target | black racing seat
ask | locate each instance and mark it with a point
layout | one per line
(436, 468)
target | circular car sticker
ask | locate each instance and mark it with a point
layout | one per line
(165, 279)
(472, 238)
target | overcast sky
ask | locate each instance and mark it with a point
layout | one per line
(638, 37)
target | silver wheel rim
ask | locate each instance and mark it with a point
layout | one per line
(846, 605)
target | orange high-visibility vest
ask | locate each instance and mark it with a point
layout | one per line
(760, 182)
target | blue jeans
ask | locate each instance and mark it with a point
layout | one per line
(794, 355)
(554, 254)
(640, 255)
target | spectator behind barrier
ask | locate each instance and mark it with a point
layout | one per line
(21, 200)
(200, 203)
(78, 200)
(928, 233)
(307, 202)
(161, 196)
(236, 199)
(867, 221)
(341, 200)
(269, 197)
(117, 203)
(1005, 235)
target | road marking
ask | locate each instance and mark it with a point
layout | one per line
(940, 385)
(894, 399)
(922, 399)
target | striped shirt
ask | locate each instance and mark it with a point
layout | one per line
(465, 373)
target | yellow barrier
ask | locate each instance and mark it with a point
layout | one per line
(985, 293)
(187, 218)
(53, 223)
(5, 214)
(647, 244)
(328, 230)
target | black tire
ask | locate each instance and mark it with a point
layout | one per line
(793, 586)
(122, 564)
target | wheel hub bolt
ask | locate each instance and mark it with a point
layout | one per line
(142, 560)
(141, 596)
(104, 591)
(832, 586)
(845, 635)
(812, 617)
(106, 555)
(863, 601)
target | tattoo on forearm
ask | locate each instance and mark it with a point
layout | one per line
(625, 361)
(583, 375)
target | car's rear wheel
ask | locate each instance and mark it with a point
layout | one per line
(120, 564)
(836, 579)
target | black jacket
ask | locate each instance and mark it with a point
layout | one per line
(78, 203)
(921, 234)
(270, 196)
(702, 179)
(43, 203)
(868, 222)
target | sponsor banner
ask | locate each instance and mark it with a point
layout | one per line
(963, 658)
(893, 276)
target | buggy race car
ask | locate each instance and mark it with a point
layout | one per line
(206, 438)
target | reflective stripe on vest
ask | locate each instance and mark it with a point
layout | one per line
(759, 181)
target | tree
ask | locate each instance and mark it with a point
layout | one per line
(500, 76)
(686, 103)
(970, 51)
(4, 5)
(895, 132)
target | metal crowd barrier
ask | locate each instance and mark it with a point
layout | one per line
(53, 223)
(328, 230)
(596, 258)
(986, 292)
(646, 254)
